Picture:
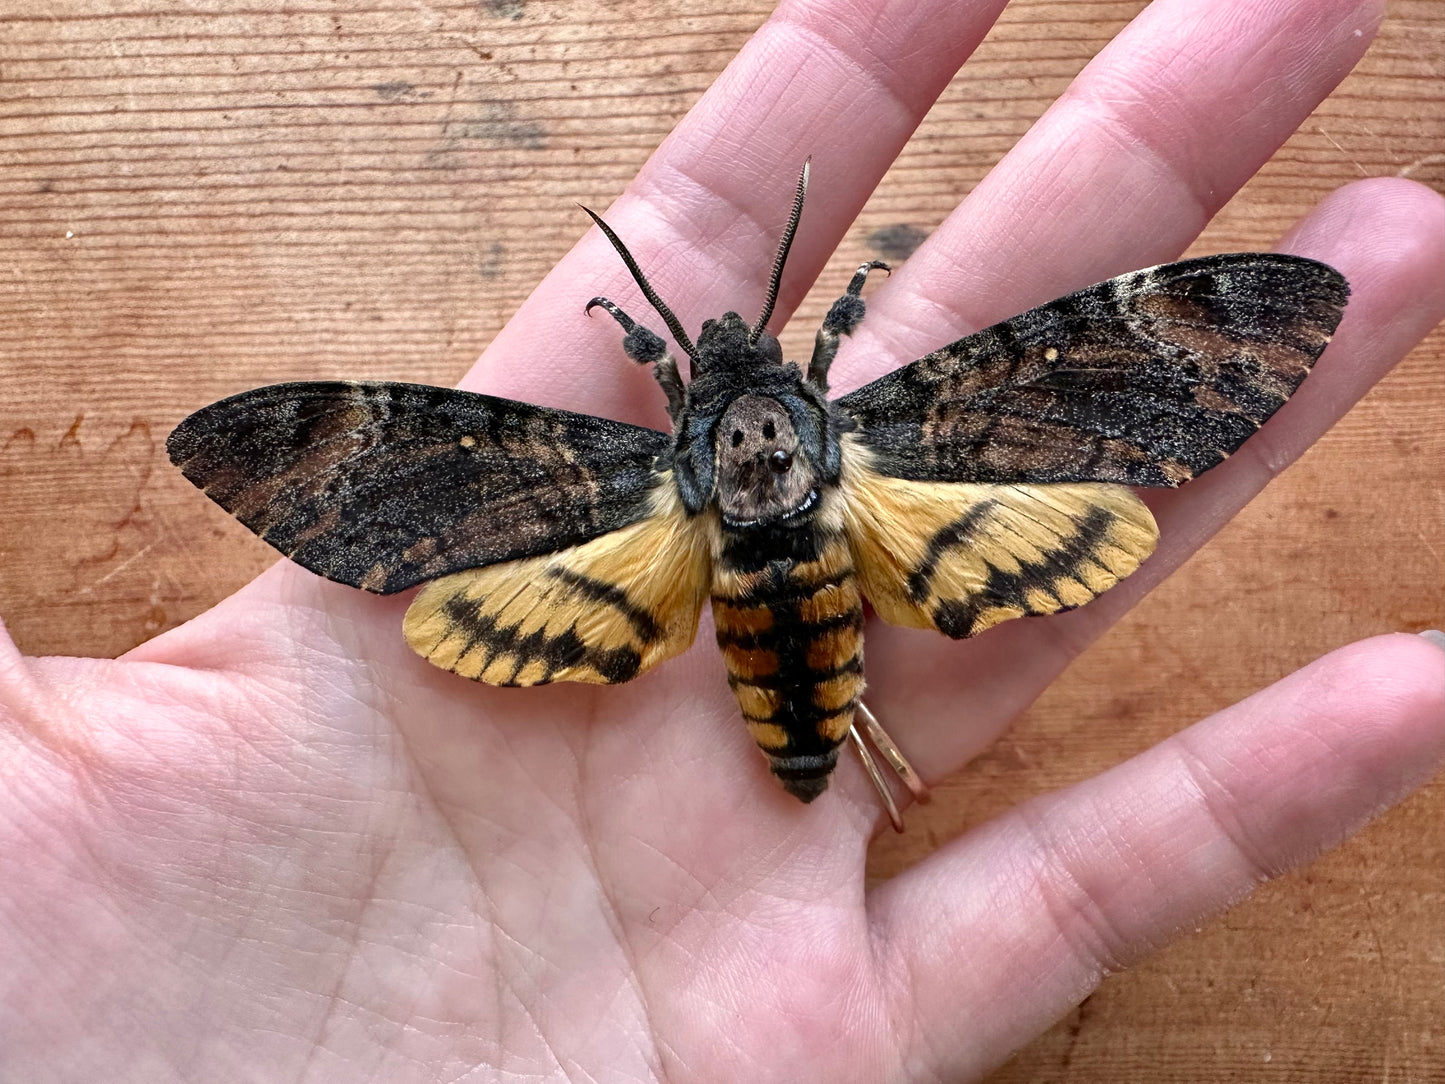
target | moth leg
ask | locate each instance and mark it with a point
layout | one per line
(845, 315)
(647, 348)
(890, 752)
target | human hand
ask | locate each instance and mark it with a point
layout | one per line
(274, 842)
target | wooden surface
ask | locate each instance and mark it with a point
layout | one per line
(196, 201)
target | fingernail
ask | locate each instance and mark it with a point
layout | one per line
(1436, 637)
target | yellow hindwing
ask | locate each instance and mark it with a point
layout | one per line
(602, 612)
(963, 556)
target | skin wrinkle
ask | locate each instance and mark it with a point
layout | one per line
(1355, 675)
(632, 981)
(692, 904)
(367, 901)
(489, 919)
(779, 1009)
(1180, 178)
(346, 957)
(646, 1046)
(747, 270)
(1081, 920)
(526, 1013)
(522, 986)
(1215, 800)
(821, 21)
(895, 975)
(897, 1034)
(607, 898)
(1269, 451)
(1284, 80)
(24, 695)
(816, 37)
(1005, 892)
(502, 990)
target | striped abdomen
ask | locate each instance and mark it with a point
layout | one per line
(789, 620)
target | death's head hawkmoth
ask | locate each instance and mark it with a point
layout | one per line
(985, 481)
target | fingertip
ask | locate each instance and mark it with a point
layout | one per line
(1392, 690)
(1316, 756)
(1384, 232)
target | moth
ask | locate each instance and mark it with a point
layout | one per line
(988, 480)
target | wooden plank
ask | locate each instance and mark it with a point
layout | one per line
(204, 200)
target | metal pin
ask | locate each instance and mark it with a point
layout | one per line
(888, 748)
(875, 773)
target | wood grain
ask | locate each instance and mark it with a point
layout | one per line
(201, 200)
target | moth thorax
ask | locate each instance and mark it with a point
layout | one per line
(763, 473)
(727, 344)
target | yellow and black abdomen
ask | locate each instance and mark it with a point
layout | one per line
(789, 620)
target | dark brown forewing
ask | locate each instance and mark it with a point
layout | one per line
(1147, 379)
(383, 485)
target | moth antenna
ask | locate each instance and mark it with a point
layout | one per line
(775, 280)
(674, 325)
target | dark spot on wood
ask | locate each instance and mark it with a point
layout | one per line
(897, 242)
(155, 620)
(72, 435)
(1076, 1027)
(396, 91)
(490, 261)
(496, 122)
(504, 9)
(24, 435)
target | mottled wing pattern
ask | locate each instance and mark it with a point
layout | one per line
(602, 612)
(1147, 379)
(961, 557)
(383, 485)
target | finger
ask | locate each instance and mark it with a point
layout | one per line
(1388, 237)
(1043, 902)
(1150, 140)
(705, 214)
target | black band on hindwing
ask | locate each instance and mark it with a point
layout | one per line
(956, 617)
(556, 652)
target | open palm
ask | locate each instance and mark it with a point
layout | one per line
(273, 843)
